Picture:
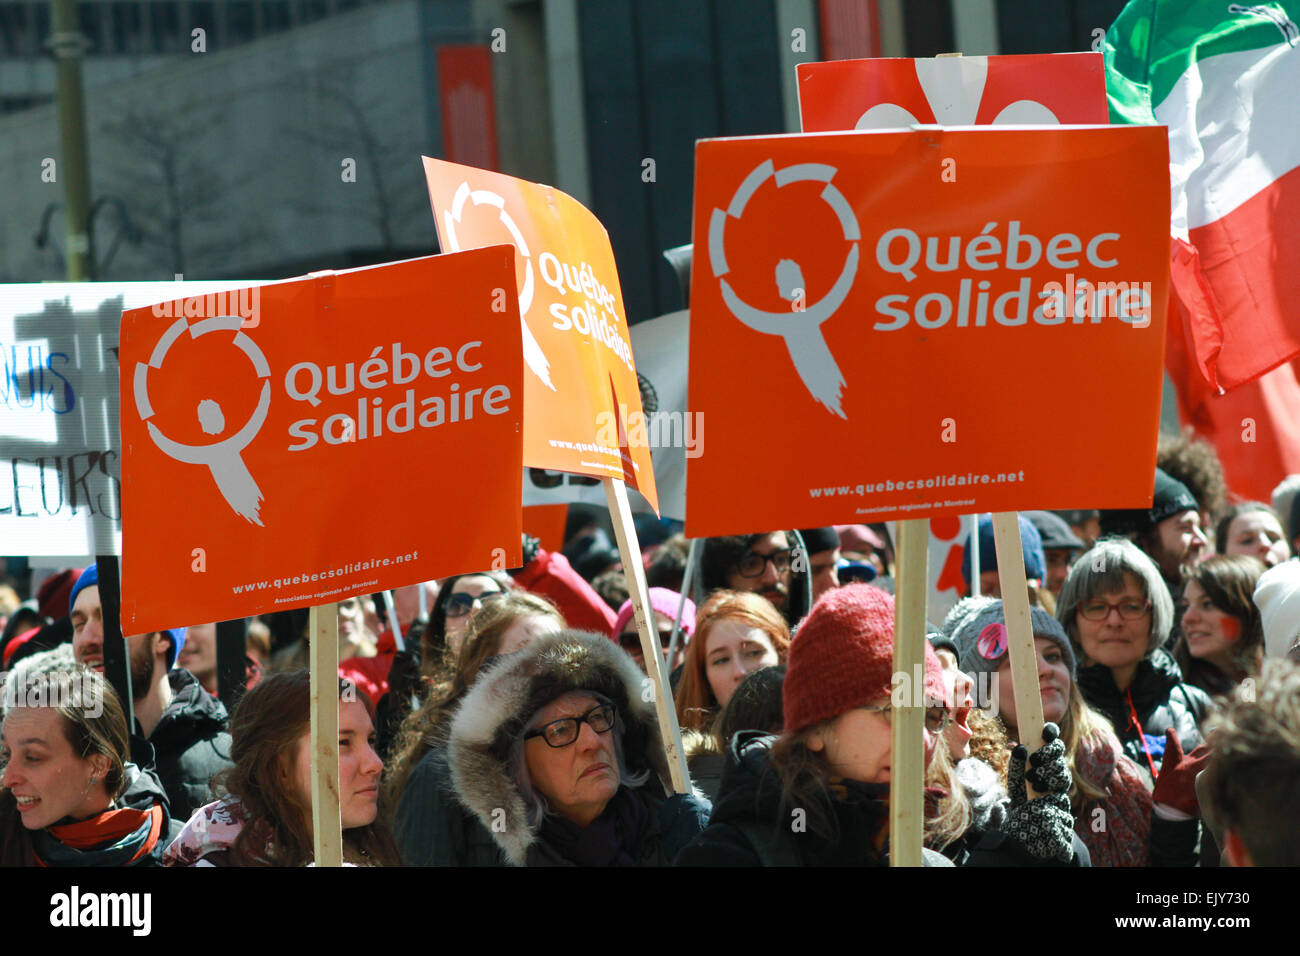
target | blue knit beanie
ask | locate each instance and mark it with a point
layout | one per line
(1031, 543)
(90, 578)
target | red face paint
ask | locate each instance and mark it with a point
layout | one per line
(1231, 628)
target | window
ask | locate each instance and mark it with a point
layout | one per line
(124, 27)
(88, 24)
(13, 28)
(275, 15)
(202, 14)
(240, 23)
(43, 29)
(167, 29)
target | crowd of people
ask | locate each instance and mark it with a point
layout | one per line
(517, 724)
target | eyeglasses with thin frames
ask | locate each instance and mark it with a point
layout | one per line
(1129, 610)
(936, 718)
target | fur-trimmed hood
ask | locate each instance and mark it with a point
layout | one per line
(493, 714)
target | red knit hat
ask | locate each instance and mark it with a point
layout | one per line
(52, 597)
(843, 657)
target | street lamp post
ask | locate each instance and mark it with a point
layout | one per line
(68, 47)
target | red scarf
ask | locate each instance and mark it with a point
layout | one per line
(109, 828)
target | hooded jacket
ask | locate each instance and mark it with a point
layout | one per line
(1160, 700)
(191, 744)
(461, 805)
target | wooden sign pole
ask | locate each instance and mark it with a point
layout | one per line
(651, 650)
(1020, 629)
(326, 821)
(907, 764)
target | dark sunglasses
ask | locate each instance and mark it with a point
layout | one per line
(631, 640)
(458, 605)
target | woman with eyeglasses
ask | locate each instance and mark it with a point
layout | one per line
(1118, 613)
(664, 603)
(458, 598)
(554, 758)
(818, 794)
(1108, 788)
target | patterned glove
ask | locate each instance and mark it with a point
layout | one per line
(1048, 772)
(1044, 825)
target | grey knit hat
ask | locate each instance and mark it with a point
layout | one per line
(977, 626)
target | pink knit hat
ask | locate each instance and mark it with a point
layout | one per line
(665, 601)
(843, 657)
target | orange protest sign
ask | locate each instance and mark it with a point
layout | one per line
(1041, 88)
(887, 324)
(329, 450)
(581, 396)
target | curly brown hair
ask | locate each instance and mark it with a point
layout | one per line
(1195, 463)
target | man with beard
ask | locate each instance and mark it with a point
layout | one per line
(1169, 531)
(760, 563)
(183, 723)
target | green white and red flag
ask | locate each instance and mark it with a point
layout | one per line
(1225, 78)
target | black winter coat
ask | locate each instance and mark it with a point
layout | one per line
(191, 744)
(433, 828)
(749, 828)
(1160, 699)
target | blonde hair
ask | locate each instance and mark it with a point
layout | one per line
(949, 817)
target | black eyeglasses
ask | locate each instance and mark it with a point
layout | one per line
(562, 732)
(458, 605)
(753, 564)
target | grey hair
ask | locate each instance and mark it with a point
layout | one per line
(535, 805)
(1101, 570)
